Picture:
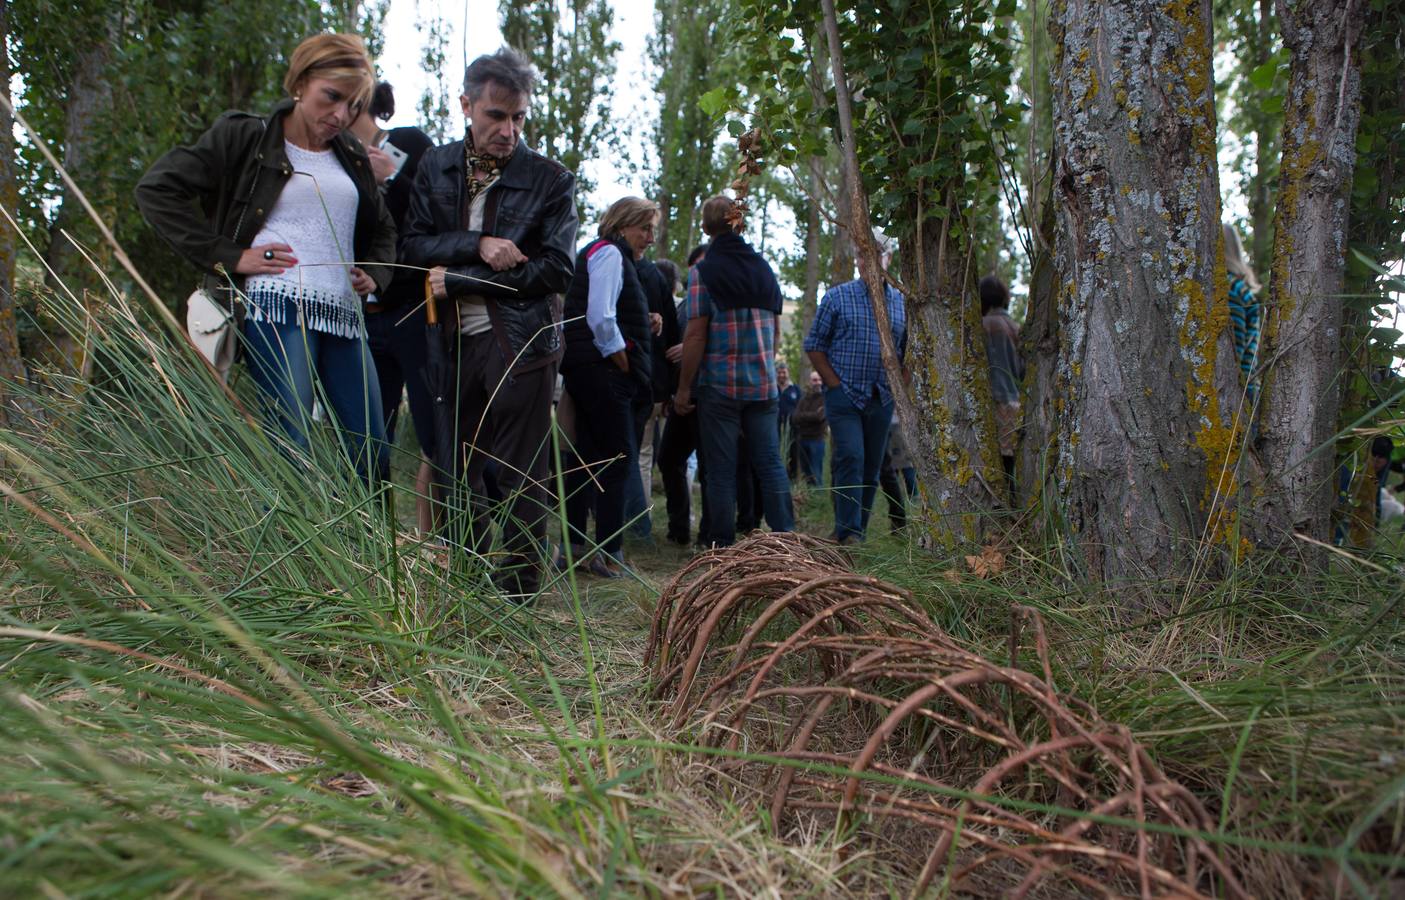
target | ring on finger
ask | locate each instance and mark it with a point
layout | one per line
(268, 255)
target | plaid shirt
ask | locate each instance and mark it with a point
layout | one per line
(740, 360)
(845, 330)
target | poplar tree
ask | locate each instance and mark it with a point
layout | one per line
(686, 52)
(1302, 339)
(569, 43)
(1143, 459)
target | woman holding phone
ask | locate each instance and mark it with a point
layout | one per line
(283, 215)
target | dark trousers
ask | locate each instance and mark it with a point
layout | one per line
(680, 440)
(507, 419)
(604, 401)
(636, 504)
(891, 483)
(812, 460)
(749, 511)
(396, 338)
(723, 421)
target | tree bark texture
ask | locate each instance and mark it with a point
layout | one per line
(1143, 451)
(11, 363)
(843, 252)
(88, 105)
(809, 296)
(959, 461)
(1260, 197)
(1039, 339)
(1302, 341)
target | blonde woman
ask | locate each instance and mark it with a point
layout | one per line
(606, 367)
(281, 206)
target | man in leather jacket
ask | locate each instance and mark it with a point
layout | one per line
(494, 222)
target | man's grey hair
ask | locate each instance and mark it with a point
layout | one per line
(507, 67)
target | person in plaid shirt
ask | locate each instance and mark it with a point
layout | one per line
(733, 309)
(858, 402)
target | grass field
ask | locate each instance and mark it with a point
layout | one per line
(221, 676)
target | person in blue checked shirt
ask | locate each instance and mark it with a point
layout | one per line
(858, 401)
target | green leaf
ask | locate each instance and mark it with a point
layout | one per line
(714, 102)
(1272, 106)
(1262, 76)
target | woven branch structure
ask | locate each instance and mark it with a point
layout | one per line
(865, 711)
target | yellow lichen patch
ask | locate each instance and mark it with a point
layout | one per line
(1217, 441)
(1196, 72)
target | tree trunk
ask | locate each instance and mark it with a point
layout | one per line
(809, 296)
(945, 419)
(1260, 195)
(1146, 365)
(1039, 339)
(665, 201)
(842, 253)
(1302, 343)
(958, 457)
(1377, 219)
(11, 363)
(88, 104)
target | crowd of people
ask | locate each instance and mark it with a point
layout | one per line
(335, 247)
(346, 259)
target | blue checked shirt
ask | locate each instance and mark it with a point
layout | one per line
(845, 330)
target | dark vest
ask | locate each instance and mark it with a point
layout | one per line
(631, 314)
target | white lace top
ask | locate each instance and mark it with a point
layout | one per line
(316, 216)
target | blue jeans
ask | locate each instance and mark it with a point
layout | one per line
(859, 437)
(721, 422)
(283, 361)
(812, 460)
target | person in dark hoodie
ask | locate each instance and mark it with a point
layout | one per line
(733, 311)
(680, 437)
(395, 317)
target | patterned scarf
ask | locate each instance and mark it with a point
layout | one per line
(482, 162)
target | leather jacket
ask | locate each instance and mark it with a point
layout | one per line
(210, 198)
(533, 205)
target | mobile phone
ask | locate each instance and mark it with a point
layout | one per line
(396, 155)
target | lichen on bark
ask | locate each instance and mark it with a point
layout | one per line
(1301, 342)
(1144, 332)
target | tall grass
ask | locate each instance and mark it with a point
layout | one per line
(1280, 700)
(224, 669)
(221, 665)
